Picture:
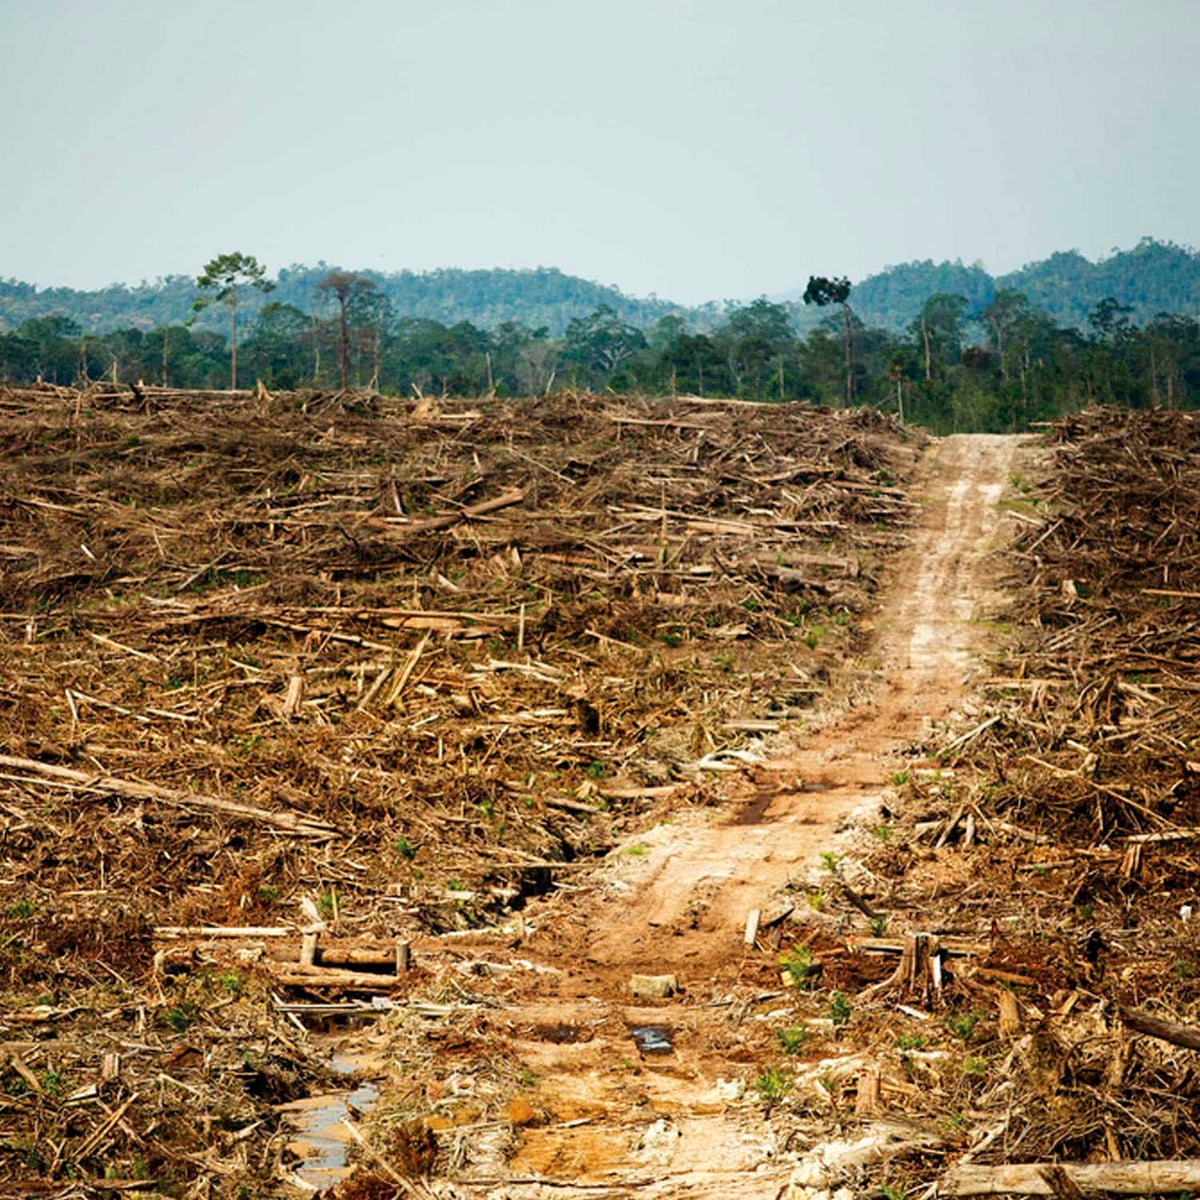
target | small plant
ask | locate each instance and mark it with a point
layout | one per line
(327, 905)
(596, 770)
(1186, 968)
(231, 982)
(839, 1008)
(962, 1025)
(180, 1018)
(773, 1084)
(879, 926)
(51, 1082)
(816, 899)
(830, 861)
(890, 1192)
(268, 894)
(974, 1066)
(812, 639)
(637, 850)
(801, 965)
(22, 909)
(899, 778)
(406, 849)
(793, 1039)
(883, 832)
(909, 1041)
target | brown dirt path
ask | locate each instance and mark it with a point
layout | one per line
(679, 1125)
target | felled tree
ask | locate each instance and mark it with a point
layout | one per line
(219, 284)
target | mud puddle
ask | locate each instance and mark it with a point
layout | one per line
(653, 1039)
(321, 1133)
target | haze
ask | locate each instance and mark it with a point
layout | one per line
(694, 150)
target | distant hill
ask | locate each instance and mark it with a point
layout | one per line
(1153, 276)
(545, 296)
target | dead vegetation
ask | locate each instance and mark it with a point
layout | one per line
(300, 661)
(1053, 833)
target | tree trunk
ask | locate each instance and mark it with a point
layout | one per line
(233, 342)
(849, 377)
(928, 364)
(1036, 1179)
(316, 341)
(343, 340)
(1168, 1031)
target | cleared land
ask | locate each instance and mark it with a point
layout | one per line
(275, 663)
(559, 693)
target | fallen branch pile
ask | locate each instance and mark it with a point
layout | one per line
(1061, 829)
(274, 661)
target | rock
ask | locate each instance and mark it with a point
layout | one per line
(653, 987)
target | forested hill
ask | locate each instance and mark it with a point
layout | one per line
(1151, 277)
(542, 297)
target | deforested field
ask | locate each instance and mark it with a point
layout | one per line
(594, 795)
(379, 669)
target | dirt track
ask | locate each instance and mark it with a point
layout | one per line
(672, 1125)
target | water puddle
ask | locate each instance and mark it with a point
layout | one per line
(321, 1136)
(562, 1035)
(653, 1039)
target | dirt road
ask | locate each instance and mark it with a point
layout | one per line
(678, 1124)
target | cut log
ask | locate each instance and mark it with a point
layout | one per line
(653, 987)
(867, 1101)
(1010, 1014)
(752, 926)
(308, 949)
(1034, 1179)
(296, 823)
(1167, 1031)
(296, 975)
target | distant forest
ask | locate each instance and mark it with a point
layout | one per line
(1152, 277)
(949, 345)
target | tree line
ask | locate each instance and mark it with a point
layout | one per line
(956, 366)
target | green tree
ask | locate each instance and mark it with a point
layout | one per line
(278, 346)
(1001, 317)
(821, 292)
(219, 284)
(600, 342)
(759, 346)
(938, 330)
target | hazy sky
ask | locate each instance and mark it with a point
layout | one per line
(704, 149)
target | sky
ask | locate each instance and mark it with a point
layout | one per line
(693, 149)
